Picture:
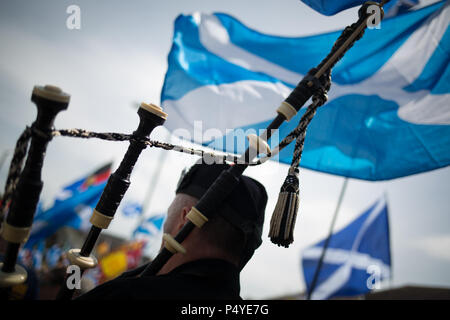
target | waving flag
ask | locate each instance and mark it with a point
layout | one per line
(330, 7)
(124, 258)
(149, 231)
(357, 258)
(150, 227)
(73, 206)
(396, 7)
(132, 209)
(388, 114)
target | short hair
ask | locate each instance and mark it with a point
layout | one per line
(223, 235)
(220, 233)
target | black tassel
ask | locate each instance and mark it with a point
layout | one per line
(283, 218)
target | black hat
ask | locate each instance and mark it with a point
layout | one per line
(245, 206)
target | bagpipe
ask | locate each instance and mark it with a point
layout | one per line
(23, 186)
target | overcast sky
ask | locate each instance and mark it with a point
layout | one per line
(119, 57)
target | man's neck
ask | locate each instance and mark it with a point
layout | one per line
(192, 254)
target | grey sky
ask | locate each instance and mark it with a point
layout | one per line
(119, 58)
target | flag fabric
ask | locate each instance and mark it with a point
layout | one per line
(72, 207)
(149, 231)
(132, 209)
(53, 256)
(113, 264)
(357, 258)
(388, 113)
(134, 252)
(331, 7)
(124, 258)
(393, 8)
(150, 227)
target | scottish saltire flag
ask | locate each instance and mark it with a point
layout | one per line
(388, 113)
(72, 207)
(357, 258)
(150, 231)
(132, 209)
(150, 227)
(330, 7)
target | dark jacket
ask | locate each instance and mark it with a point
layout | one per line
(206, 279)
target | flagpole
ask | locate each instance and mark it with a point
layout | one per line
(327, 241)
(390, 244)
(3, 157)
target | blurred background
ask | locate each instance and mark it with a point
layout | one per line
(117, 59)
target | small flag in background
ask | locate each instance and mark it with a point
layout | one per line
(330, 7)
(356, 260)
(150, 231)
(150, 227)
(73, 206)
(396, 7)
(114, 264)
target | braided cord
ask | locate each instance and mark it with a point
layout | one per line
(113, 136)
(15, 169)
(81, 133)
(319, 99)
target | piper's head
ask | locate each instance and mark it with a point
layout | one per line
(234, 233)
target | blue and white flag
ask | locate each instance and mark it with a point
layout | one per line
(150, 230)
(150, 227)
(357, 258)
(330, 7)
(388, 113)
(132, 209)
(72, 207)
(396, 7)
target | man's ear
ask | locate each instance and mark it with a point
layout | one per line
(186, 210)
(183, 219)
